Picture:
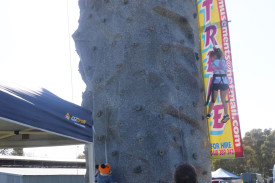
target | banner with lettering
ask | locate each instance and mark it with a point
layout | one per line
(224, 135)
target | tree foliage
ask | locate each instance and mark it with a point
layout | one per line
(81, 156)
(259, 150)
(14, 152)
(18, 151)
(4, 151)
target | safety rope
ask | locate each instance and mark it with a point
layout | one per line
(106, 156)
(70, 55)
(71, 70)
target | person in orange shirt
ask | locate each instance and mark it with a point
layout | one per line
(105, 173)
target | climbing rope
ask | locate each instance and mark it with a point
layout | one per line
(71, 70)
(70, 55)
(106, 156)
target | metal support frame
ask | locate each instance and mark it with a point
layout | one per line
(91, 162)
(11, 133)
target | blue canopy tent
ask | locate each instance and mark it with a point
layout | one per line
(40, 118)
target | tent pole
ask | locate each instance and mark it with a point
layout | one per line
(91, 162)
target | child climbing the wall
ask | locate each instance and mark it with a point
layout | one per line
(219, 82)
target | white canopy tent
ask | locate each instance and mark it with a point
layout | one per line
(223, 174)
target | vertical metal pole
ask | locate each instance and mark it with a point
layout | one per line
(91, 163)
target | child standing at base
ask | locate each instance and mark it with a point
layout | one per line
(219, 82)
(104, 175)
(185, 173)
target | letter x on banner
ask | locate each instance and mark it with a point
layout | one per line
(225, 138)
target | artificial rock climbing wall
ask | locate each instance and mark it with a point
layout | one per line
(140, 62)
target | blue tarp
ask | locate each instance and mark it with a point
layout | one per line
(45, 111)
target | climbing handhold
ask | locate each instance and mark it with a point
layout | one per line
(99, 113)
(135, 45)
(120, 123)
(98, 80)
(190, 36)
(101, 138)
(119, 66)
(128, 20)
(161, 116)
(140, 138)
(178, 63)
(121, 92)
(197, 56)
(137, 169)
(152, 28)
(88, 68)
(114, 153)
(161, 152)
(195, 156)
(165, 47)
(142, 72)
(138, 108)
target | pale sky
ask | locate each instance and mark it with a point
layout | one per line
(35, 51)
(34, 44)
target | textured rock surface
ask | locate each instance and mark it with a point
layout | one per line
(140, 62)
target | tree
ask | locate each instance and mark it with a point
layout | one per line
(259, 150)
(268, 152)
(4, 151)
(17, 151)
(81, 156)
(14, 152)
(140, 62)
(255, 139)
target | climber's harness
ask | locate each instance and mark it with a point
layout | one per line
(212, 86)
